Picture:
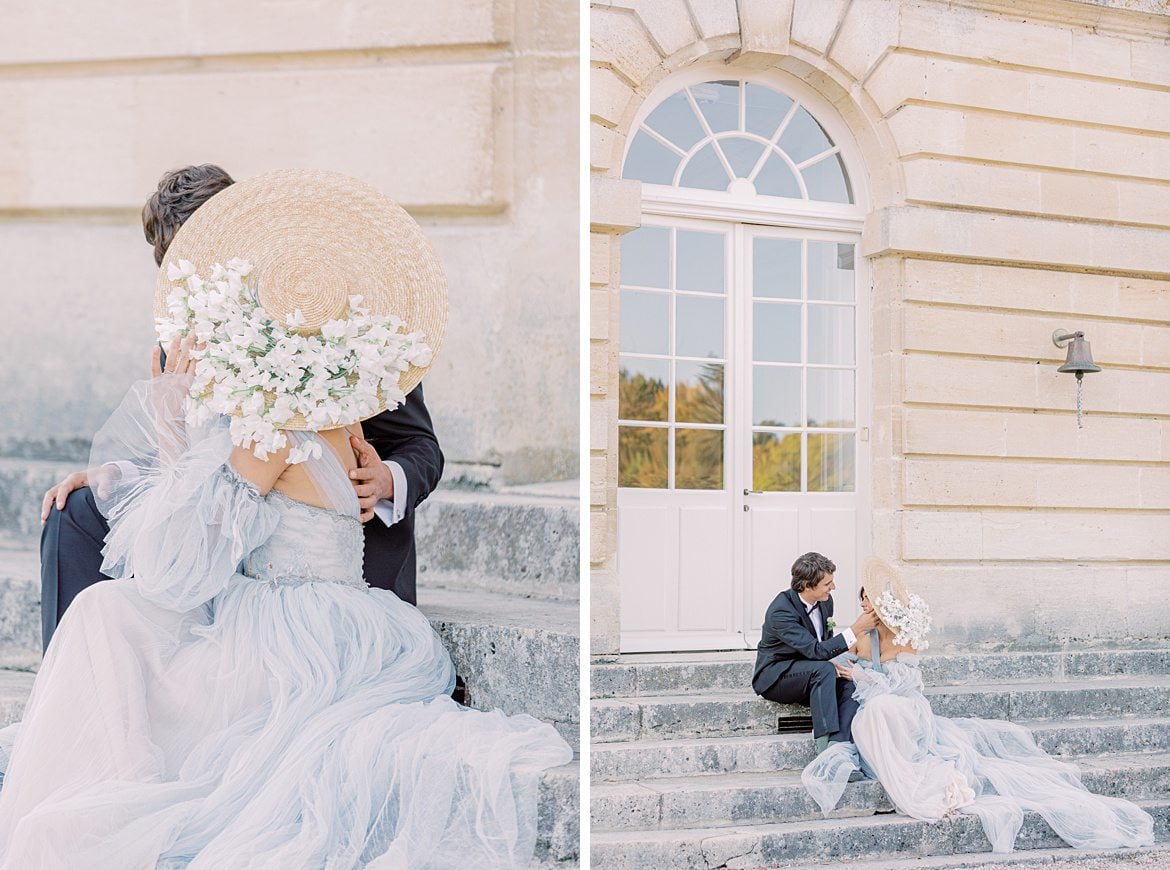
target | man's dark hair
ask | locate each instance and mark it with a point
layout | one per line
(808, 570)
(180, 192)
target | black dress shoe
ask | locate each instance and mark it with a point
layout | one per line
(859, 776)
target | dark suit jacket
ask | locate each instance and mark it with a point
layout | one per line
(789, 636)
(407, 436)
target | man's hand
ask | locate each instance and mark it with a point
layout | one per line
(865, 622)
(372, 480)
(60, 492)
(843, 672)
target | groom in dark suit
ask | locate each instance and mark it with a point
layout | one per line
(792, 660)
(399, 462)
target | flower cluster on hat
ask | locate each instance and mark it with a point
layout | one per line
(910, 621)
(264, 373)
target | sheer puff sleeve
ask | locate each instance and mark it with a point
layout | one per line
(181, 520)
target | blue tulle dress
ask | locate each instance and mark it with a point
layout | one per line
(241, 699)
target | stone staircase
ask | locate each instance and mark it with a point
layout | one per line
(690, 769)
(498, 578)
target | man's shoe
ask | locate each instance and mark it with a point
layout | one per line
(822, 743)
(858, 776)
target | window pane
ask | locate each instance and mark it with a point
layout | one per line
(742, 154)
(830, 462)
(776, 268)
(675, 120)
(698, 459)
(775, 462)
(766, 108)
(700, 261)
(643, 389)
(719, 103)
(699, 326)
(646, 257)
(642, 457)
(830, 271)
(775, 332)
(776, 179)
(830, 397)
(804, 137)
(830, 334)
(826, 180)
(645, 322)
(775, 396)
(699, 392)
(650, 161)
(705, 171)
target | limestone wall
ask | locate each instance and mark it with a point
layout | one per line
(1019, 170)
(457, 109)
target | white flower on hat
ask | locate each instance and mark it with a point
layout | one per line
(263, 373)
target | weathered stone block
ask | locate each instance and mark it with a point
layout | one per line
(620, 40)
(815, 21)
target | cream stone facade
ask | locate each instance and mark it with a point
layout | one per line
(1016, 169)
(457, 110)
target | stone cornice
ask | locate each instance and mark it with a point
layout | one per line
(1151, 20)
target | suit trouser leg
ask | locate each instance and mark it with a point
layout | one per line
(847, 707)
(71, 556)
(816, 685)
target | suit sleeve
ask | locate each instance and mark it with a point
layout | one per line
(407, 436)
(786, 627)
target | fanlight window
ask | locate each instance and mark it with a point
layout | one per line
(739, 137)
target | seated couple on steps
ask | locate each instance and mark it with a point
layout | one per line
(871, 720)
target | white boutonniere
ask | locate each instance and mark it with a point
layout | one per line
(831, 625)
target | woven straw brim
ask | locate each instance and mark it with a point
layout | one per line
(315, 238)
(878, 576)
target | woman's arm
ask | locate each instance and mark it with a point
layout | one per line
(262, 473)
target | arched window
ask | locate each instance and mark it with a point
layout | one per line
(741, 137)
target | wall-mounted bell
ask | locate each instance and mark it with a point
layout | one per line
(1079, 361)
(1080, 358)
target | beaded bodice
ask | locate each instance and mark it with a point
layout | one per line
(310, 544)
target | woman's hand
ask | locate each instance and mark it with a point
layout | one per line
(179, 358)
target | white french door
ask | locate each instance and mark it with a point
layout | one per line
(742, 442)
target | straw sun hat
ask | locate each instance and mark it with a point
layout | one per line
(315, 238)
(881, 577)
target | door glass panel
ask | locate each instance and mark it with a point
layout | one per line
(775, 332)
(700, 261)
(742, 154)
(830, 271)
(830, 334)
(826, 180)
(777, 179)
(642, 457)
(643, 389)
(804, 137)
(830, 398)
(776, 396)
(775, 462)
(645, 322)
(765, 108)
(776, 268)
(698, 459)
(830, 462)
(650, 161)
(646, 257)
(705, 171)
(700, 326)
(699, 392)
(675, 120)
(719, 103)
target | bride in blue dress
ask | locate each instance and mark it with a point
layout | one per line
(932, 766)
(239, 697)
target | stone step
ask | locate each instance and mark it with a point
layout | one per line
(808, 843)
(641, 759)
(725, 800)
(1032, 859)
(523, 540)
(742, 713)
(559, 801)
(632, 675)
(20, 608)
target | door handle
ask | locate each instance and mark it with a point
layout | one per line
(753, 492)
